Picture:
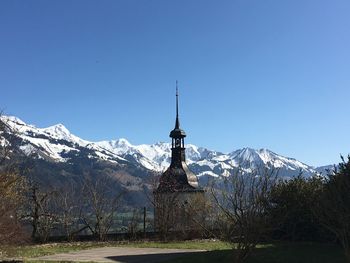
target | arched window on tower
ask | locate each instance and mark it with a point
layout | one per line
(177, 142)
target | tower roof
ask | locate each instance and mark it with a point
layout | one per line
(177, 132)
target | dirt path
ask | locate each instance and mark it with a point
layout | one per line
(121, 254)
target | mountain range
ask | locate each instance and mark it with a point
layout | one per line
(57, 145)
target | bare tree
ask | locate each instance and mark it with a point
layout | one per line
(166, 206)
(68, 209)
(241, 201)
(12, 186)
(11, 199)
(40, 211)
(133, 224)
(101, 203)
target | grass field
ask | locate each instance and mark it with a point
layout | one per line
(275, 253)
(29, 251)
(216, 251)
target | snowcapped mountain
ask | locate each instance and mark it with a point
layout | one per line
(57, 144)
(53, 143)
(206, 162)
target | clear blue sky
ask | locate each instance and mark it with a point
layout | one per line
(272, 74)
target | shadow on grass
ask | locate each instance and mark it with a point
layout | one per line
(152, 258)
(277, 253)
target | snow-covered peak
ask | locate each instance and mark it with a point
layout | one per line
(16, 124)
(45, 140)
(58, 130)
(120, 146)
(246, 155)
(122, 142)
(154, 151)
(12, 119)
(193, 153)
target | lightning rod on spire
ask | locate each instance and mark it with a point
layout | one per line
(177, 122)
(177, 101)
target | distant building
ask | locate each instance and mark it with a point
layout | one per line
(177, 196)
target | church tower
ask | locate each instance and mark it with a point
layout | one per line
(178, 186)
(178, 177)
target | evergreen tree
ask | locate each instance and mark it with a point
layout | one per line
(333, 209)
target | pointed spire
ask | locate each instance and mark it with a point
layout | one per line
(177, 122)
(177, 132)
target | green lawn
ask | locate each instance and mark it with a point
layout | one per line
(217, 251)
(274, 253)
(29, 251)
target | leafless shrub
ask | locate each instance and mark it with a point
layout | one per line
(133, 224)
(240, 202)
(12, 186)
(68, 208)
(100, 204)
(40, 211)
